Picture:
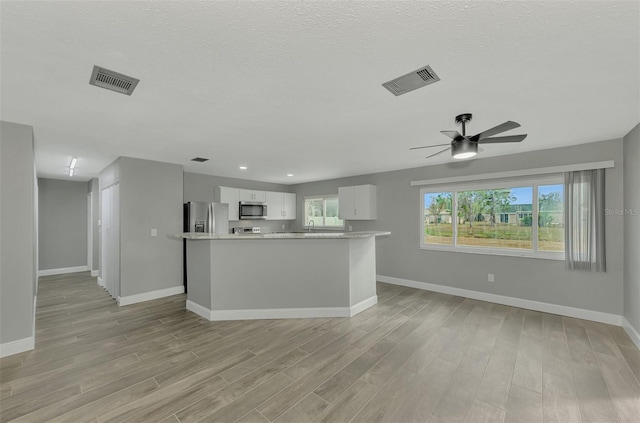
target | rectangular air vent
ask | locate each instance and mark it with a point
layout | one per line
(411, 81)
(199, 159)
(113, 81)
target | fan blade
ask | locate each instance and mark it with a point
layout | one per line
(495, 130)
(429, 146)
(454, 135)
(441, 151)
(497, 140)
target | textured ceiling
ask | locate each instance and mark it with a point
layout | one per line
(295, 87)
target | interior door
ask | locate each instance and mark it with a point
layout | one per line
(110, 242)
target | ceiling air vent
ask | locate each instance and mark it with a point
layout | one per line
(199, 159)
(411, 81)
(114, 81)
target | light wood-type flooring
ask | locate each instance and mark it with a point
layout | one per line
(417, 356)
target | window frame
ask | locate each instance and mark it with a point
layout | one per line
(324, 198)
(532, 181)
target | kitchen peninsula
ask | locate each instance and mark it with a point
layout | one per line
(281, 275)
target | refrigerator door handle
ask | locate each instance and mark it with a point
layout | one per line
(210, 219)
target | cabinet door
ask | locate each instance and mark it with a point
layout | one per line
(346, 202)
(252, 195)
(274, 205)
(358, 202)
(288, 206)
(365, 202)
(230, 196)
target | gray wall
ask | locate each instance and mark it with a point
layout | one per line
(62, 220)
(18, 273)
(533, 279)
(632, 228)
(150, 197)
(200, 187)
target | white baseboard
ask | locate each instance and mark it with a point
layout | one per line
(281, 313)
(95, 273)
(16, 347)
(579, 313)
(99, 280)
(148, 296)
(62, 270)
(363, 305)
(199, 310)
(631, 331)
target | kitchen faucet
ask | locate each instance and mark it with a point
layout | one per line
(311, 223)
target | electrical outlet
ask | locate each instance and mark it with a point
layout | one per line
(350, 228)
(154, 232)
(491, 277)
(282, 226)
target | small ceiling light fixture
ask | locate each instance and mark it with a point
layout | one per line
(72, 166)
(243, 168)
(289, 174)
(199, 159)
(464, 149)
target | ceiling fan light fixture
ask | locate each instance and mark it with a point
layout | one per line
(464, 149)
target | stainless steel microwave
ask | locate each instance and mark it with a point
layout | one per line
(252, 210)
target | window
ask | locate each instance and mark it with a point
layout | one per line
(322, 210)
(496, 217)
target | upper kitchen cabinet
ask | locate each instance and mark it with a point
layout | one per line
(358, 202)
(281, 206)
(230, 196)
(251, 195)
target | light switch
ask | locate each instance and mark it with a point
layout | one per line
(154, 232)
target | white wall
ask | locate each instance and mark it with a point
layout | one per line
(546, 281)
(632, 230)
(18, 273)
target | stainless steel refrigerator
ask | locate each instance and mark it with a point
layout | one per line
(211, 218)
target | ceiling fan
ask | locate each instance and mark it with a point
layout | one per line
(464, 147)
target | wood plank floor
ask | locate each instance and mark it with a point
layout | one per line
(417, 356)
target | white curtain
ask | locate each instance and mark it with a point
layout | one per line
(584, 220)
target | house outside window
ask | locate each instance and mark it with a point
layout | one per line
(496, 217)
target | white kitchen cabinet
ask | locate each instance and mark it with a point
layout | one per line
(288, 206)
(252, 195)
(281, 205)
(358, 202)
(230, 196)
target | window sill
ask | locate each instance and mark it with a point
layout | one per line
(496, 252)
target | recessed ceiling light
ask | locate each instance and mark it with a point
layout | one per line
(243, 168)
(289, 174)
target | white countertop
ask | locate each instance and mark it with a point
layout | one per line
(284, 235)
